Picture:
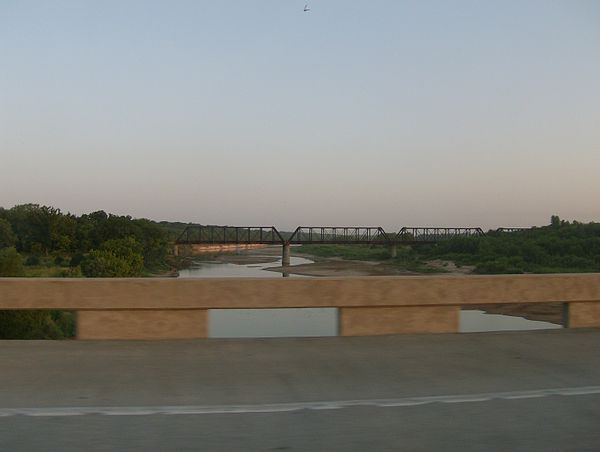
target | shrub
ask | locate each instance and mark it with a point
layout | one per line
(76, 260)
(71, 272)
(11, 262)
(105, 264)
(115, 258)
(7, 236)
(32, 260)
(36, 324)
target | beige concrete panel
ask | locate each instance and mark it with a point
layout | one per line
(379, 321)
(173, 293)
(584, 315)
(176, 324)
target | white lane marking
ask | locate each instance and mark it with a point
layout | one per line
(179, 410)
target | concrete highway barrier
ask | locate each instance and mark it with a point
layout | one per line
(168, 308)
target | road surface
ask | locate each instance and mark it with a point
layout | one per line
(487, 391)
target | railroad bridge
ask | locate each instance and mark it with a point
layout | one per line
(339, 235)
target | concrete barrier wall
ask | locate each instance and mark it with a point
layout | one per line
(176, 308)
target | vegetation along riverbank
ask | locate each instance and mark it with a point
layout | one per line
(561, 247)
(42, 241)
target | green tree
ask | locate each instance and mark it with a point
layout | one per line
(7, 236)
(11, 262)
(45, 231)
(105, 264)
(20, 218)
(115, 258)
(43, 227)
(154, 240)
(36, 324)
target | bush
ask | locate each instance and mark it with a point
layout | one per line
(32, 260)
(105, 264)
(76, 260)
(11, 262)
(36, 324)
(115, 258)
(7, 236)
(71, 272)
(501, 265)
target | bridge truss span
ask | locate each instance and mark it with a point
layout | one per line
(212, 234)
(322, 235)
(326, 235)
(434, 234)
(332, 235)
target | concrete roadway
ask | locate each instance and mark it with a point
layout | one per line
(483, 392)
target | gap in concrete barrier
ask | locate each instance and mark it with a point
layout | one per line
(285, 322)
(512, 317)
(37, 324)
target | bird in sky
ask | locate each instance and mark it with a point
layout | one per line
(306, 8)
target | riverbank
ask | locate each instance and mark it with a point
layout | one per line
(372, 262)
(320, 267)
(332, 267)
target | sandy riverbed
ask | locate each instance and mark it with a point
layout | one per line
(319, 268)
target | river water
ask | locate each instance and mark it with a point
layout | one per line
(289, 322)
(310, 322)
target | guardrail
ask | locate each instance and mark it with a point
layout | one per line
(157, 308)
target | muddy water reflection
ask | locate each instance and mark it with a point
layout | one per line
(216, 269)
(479, 321)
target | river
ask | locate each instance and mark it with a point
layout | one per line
(307, 322)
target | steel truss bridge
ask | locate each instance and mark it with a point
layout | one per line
(330, 235)
(304, 235)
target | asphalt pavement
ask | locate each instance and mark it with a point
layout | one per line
(537, 390)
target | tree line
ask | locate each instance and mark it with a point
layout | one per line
(43, 241)
(97, 244)
(561, 247)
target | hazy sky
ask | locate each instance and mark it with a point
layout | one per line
(380, 112)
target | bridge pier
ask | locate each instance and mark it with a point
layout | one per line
(393, 250)
(285, 257)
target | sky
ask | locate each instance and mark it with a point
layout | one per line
(381, 113)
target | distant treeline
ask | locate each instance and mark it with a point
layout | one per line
(561, 247)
